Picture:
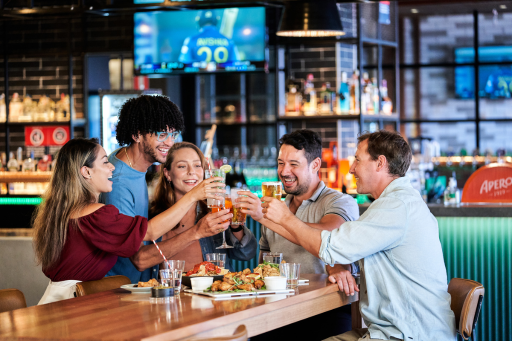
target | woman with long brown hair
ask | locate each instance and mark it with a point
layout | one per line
(76, 238)
(182, 171)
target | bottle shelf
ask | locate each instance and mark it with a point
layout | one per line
(349, 116)
(8, 177)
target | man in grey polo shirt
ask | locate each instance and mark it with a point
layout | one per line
(313, 203)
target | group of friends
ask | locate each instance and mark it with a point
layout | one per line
(96, 220)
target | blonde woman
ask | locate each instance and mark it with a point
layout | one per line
(76, 238)
(180, 175)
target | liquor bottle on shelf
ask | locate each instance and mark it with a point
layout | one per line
(2, 108)
(344, 99)
(12, 165)
(354, 93)
(45, 109)
(19, 157)
(44, 164)
(293, 100)
(62, 111)
(29, 165)
(15, 108)
(387, 104)
(367, 104)
(326, 101)
(4, 161)
(375, 96)
(310, 104)
(29, 108)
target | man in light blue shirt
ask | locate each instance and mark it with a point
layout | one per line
(403, 294)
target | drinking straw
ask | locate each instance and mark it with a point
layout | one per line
(209, 167)
(165, 259)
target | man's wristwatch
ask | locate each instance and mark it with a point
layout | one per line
(238, 229)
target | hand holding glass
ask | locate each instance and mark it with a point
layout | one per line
(238, 216)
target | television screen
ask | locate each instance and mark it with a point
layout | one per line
(495, 80)
(210, 40)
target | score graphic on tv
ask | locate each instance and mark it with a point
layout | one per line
(210, 40)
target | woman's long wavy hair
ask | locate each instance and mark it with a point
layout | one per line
(164, 196)
(67, 194)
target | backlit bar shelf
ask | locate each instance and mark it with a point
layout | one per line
(8, 177)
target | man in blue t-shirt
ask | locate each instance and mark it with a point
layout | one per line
(209, 45)
(147, 127)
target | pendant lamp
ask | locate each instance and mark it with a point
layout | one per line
(310, 19)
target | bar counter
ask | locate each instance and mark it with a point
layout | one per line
(120, 315)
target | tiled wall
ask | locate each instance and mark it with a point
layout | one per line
(438, 36)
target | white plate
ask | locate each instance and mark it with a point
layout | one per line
(235, 294)
(303, 281)
(136, 290)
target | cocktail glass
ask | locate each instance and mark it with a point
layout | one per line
(212, 174)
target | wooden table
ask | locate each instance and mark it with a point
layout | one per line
(119, 314)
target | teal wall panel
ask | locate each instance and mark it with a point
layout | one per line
(481, 249)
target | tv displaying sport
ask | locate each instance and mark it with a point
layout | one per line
(190, 41)
(495, 81)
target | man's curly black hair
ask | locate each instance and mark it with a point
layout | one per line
(147, 114)
(305, 139)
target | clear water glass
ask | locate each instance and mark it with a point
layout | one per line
(292, 273)
(218, 259)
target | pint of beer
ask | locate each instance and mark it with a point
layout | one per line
(238, 216)
(272, 189)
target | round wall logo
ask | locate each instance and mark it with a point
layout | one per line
(60, 136)
(37, 137)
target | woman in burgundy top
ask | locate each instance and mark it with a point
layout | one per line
(76, 238)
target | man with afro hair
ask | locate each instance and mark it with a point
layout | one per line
(147, 129)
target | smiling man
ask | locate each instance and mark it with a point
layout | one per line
(403, 294)
(321, 208)
(147, 128)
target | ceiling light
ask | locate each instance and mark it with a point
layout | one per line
(503, 6)
(414, 10)
(310, 19)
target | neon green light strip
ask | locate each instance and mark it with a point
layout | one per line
(20, 201)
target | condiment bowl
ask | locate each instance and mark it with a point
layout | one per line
(201, 283)
(275, 282)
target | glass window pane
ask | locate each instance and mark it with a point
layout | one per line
(452, 137)
(261, 97)
(496, 135)
(369, 19)
(437, 93)
(438, 39)
(494, 35)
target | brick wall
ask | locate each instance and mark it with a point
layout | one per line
(38, 58)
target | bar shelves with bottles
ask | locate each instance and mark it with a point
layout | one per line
(244, 113)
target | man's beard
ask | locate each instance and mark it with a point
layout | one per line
(300, 189)
(149, 153)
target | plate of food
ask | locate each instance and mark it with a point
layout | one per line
(141, 287)
(239, 284)
(204, 269)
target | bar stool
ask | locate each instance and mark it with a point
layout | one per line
(240, 334)
(466, 303)
(11, 299)
(104, 284)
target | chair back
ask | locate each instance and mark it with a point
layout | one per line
(11, 299)
(240, 334)
(467, 298)
(104, 284)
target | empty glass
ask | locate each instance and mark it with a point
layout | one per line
(218, 259)
(167, 278)
(273, 257)
(176, 267)
(292, 273)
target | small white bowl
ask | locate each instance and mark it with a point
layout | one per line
(275, 282)
(201, 283)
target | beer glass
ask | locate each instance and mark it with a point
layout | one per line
(238, 216)
(272, 189)
(214, 203)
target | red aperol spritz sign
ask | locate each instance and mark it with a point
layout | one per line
(489, 184)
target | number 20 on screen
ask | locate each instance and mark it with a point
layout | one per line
(221, 50)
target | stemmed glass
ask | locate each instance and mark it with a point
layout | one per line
(227, 204)
(216, 205)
